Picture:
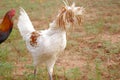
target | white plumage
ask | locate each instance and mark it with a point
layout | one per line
(24, 24)
(45, 45)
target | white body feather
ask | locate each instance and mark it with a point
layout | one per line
(49, 43)
(24, 24)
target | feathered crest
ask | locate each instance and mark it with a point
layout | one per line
(60, 19)
(66, 2)
(69, 15)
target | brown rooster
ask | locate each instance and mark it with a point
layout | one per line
(6, 25)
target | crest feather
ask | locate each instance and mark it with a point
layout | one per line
(66, 2)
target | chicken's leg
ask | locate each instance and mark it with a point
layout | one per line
(50, 66)
(50, 76)
(35, 72)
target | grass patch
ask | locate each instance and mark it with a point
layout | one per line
(73, 74)
(6, 70)
(94, 28)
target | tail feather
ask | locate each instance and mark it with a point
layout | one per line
(24, 23)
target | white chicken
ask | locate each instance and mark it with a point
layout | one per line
(45, 45)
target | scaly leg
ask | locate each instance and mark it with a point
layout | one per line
(35, 68)
(50, 77)
(50, 66)
(35, 72)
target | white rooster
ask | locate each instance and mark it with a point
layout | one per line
(45, 45)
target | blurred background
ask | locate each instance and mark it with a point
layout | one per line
(93, 48)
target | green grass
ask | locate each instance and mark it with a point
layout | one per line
(101, 62)
(73, 74)
(6, 69)
(94, 28)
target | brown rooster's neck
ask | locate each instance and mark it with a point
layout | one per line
(6, 24)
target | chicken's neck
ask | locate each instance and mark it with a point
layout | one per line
(53, 26)
(6, 24)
